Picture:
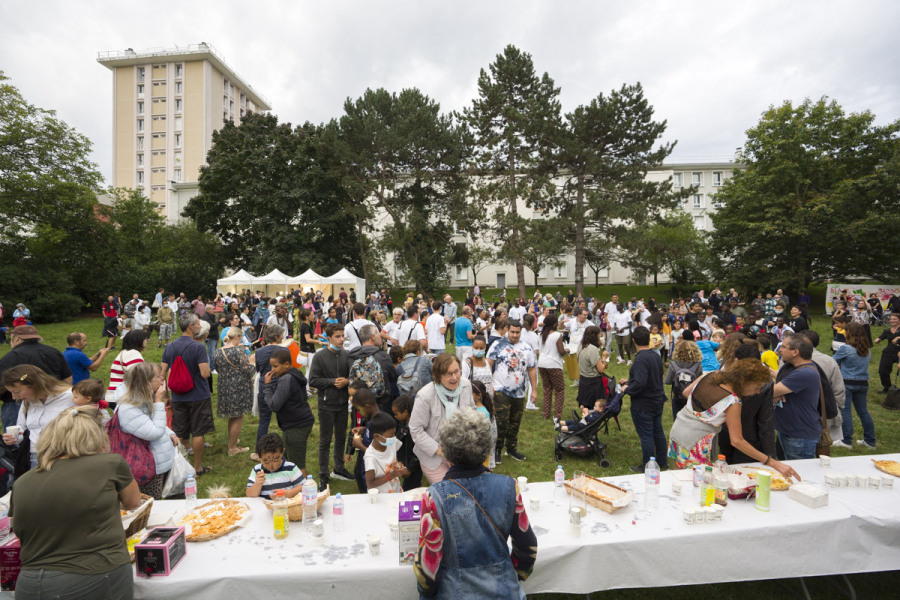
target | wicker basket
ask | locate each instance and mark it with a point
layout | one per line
(295, 504)
(211, 536)
(141, 520)
(608, 491)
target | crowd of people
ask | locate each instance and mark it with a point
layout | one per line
(746, 381)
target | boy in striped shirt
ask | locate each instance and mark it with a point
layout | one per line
(273, 473)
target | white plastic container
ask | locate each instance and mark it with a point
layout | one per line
(808, 495)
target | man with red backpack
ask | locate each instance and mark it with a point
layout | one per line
(186, 363)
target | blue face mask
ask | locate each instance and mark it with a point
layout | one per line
(333, 347)
(389, 441)
(478, 353)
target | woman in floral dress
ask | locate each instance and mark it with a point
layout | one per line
(235, 398)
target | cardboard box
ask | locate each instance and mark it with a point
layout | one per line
(10, 563)
(410, 513)
(160, 552)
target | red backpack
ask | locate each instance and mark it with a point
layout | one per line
(180, 380)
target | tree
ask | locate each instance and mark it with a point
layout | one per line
(400, 152)
(269, 194)
(596, 256)
(543, 241)
(604, 151)
(513, 120)
(818, 200)
(671, 244)
(474, 256)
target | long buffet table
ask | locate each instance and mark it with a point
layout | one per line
(859, 531)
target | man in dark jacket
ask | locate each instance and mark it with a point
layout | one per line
(645, 386)
(328, 374)
(27, 349)
(757, 418)
(285, 394)
(371, 346)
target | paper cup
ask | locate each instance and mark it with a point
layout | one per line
(575, 516)
(374, 545)
(887, 482)
(373, 496)
(523, 483)
(874, 482)
(832, 480)
(676, 487)
(718, 512)
(12, 430)
(709, 513)
(534, 504)
(689, 515)
(824, 461)
(395, 529)
(861, 481)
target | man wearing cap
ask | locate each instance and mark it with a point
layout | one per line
(27, 350)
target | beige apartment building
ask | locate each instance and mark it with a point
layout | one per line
(166, 105)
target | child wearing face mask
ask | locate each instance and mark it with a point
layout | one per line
(383, 471)
(365, 407)
(412, 473)
(475, 367)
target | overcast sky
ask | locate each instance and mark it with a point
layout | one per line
(709, 68)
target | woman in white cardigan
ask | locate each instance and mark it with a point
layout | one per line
(142, 413)
(434, 403)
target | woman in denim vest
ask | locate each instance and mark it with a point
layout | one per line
(467, 519)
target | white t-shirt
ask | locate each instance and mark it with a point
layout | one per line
(532, 339)
(433, 331)
(517, 312)
(351, 332)
(550, 357)
(611, 311)
(645, 314)
(481, 324)
(409, 330)
(379, 461)
(576, 330)
(512, 364)
(391, 329)
(622, 321)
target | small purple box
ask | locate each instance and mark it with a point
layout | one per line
(409, 515)
(160, 552)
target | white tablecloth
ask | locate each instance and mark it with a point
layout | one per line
(859, 531)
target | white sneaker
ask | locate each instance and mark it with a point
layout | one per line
(531, 406)
(841, 444)
(620, 361)
(574, 383)
(628, 363)
(864, 443)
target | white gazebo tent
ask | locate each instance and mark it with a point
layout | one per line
(271, 283)
(235, 283)
(306, 280)
(347, 280)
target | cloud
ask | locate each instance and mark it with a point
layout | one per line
(709, 68)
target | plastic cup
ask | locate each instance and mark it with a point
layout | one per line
(824, 461)
(874, 482)
(689, 515)
(534, 504)
(832, 480)
(12, 430)
(395, 529)
(718, 512)
(887, 482)
(575, 516)
(523, 483)
(861, 481)
(373, 496)
(374, 544)
(676, 487)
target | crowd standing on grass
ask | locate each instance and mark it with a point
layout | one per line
(744, 379)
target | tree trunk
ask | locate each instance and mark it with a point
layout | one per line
(655, 282)
(597, 278)
(579, 239)
(475, 276)
(362, 248)
(514, 211)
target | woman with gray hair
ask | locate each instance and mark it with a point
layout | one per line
(467, 519)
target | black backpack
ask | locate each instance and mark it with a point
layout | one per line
(684, 377)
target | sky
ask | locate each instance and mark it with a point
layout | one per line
(709, 68)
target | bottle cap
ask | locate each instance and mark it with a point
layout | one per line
(279, 494)
(338, 494)
(721, 457)
(653, 458)
(559, 466)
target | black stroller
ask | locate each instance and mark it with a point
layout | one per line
(584, 442)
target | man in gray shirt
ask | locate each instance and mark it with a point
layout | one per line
(450, 315)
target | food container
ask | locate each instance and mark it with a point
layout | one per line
(676, 487)
(374, 545)
(832, 480)
(523, 483)
(10, 563)
(534, 504)
(689, 515)
(709, 514)
(373, 496)
(600, 494)
(824, 461)
(718, 512)
(740, 486)
(874, 482)
(861, 481)
(887, 482)
(160, 552)
(763, 490)
(809, 495)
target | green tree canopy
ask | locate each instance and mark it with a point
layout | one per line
(819, 199)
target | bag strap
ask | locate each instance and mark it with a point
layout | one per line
(500, 533)
(821, 395)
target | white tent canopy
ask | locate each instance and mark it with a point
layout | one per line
(235, 283)
(271, 283)
(306, 280)
(347, 280)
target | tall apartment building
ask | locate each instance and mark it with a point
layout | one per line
(166, 105)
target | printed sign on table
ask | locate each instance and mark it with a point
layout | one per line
(858, 292)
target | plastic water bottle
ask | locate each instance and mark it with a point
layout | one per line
(4, 522)
(337, 513)
(558, 480)
(310, 496)
(190, 492)
(651, 484)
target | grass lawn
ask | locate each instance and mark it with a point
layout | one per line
(536, 442)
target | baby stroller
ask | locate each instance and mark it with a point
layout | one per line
(584, 442)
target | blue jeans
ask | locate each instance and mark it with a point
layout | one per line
(797, 448)
(9, 414)
(265, 417)
(211, 346)
(653, 439)
(856, 398)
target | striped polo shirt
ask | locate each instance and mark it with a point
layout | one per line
(125, 360)
(284, 477)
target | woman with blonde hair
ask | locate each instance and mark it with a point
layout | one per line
(714, 400)
(43, 398)
(235, 398)
(684, 368)
(77, 544)
(142, 413)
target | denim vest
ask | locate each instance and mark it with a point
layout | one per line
(476, 562)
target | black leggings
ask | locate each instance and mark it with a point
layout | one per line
(888, 359)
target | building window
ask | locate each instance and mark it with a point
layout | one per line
(698, 200)
(460, 272)
(178, 158)
(159, 118)
(231, 106)
(140, 125)
(178, 140)
(232, 88)
(717, 179)
(225, 115)
(178, 175)
(700, 222)
(676, 180)
(140, 108)
(695, 178)
(178, 105)
(141, 90)
(243, 100)
(242, 113)
(560, 271)
(178, 87)
(140, 73)
(179, 70)
(178, 123)
(140, 160)
(140, 142)
(225, 88)
(140, 177)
